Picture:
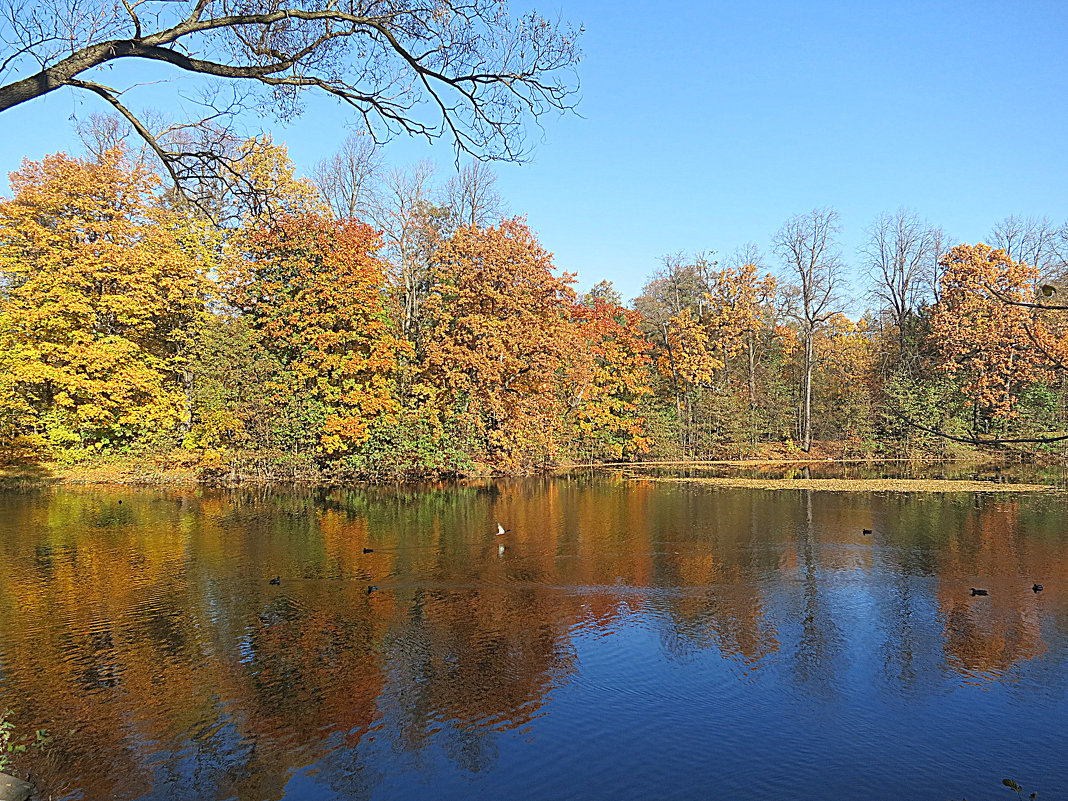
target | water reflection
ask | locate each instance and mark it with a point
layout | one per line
(140, 628)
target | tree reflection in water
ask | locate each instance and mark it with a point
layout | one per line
(146, 637)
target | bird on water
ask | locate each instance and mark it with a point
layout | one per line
(979, 592)
(277, 580)
(368, 550)
(1037, 588)
(866, 531)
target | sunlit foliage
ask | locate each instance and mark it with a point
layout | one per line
(101, 283)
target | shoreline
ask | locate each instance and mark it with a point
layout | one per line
(142, 475)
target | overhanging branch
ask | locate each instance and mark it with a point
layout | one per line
(975, 438)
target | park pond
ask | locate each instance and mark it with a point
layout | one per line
(627, 638)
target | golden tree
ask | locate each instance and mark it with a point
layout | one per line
(312, 287)
(101, 283)
(982, 333)
(608, 374)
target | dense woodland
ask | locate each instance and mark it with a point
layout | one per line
(380, 324)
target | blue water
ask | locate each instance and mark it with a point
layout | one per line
(625, 640)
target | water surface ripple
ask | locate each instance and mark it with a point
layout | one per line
(627, 639)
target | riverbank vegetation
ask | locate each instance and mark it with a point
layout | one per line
(374, 324)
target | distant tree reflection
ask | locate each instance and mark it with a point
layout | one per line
(147, 635)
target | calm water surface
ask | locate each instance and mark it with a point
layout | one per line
(626, 639)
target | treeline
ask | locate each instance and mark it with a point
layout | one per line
(299, 342)
(371, 324)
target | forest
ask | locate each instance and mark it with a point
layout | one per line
(379, 324)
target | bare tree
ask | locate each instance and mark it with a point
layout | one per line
(1031, 240)
(102, 132)
(901, 257)
(405, 211)
(463, 69)
(808, 247)
(472, 197)
(941, 242)
(348, 180)
(749, 253)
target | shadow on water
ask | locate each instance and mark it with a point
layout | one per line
(624, 639)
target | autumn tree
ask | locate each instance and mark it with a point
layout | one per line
(101, 284)
(501, 333)
(250, 416)
(673, 304)
(845, 372)
(607, 375)
(808, 248)
(742, 318)
(981, 334)
(311, 287)
(260, 184)
(463, 69)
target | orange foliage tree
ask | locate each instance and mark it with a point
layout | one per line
(101, 282)
(312, 287)
(981, 340)
(608, 376)
(500, 335)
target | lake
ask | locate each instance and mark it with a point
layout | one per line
(625, 639)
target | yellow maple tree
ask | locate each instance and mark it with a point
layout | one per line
(101, 284)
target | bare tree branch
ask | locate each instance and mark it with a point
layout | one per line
(461, 69)
(975, 438)
(111, 96)
(994, 293)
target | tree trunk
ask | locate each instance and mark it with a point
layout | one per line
(187, 391)
(806, 396)
(751, 348)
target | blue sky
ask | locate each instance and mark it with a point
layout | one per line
(704, 126)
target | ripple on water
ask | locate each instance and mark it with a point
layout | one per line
(672, 643)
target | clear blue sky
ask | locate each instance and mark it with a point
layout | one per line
(706, 125)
